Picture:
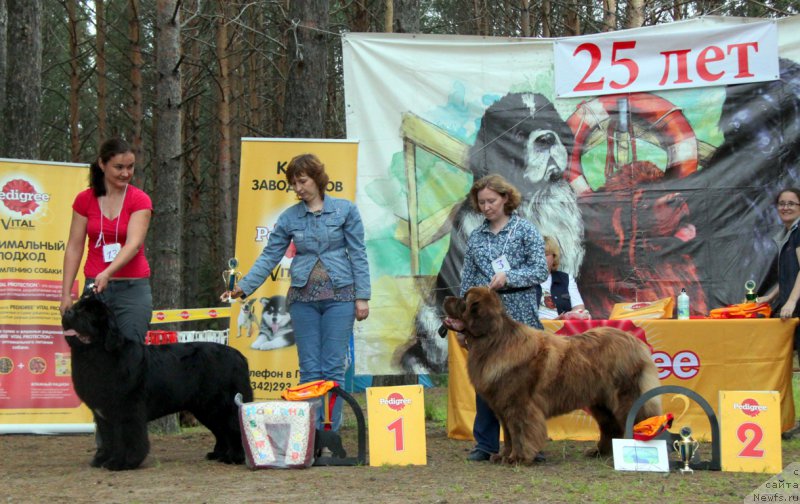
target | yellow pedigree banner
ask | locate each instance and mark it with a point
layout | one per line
(36, 393)
(260, 326)
(189, 314)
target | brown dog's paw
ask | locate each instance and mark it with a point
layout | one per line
(520, 460)
(595, 452)
(497, 458)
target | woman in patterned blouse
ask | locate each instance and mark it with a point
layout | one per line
(506, 253)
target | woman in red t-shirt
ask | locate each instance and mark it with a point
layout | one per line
(114, 216)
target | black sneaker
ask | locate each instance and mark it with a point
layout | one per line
(477, 455)
(791, 432)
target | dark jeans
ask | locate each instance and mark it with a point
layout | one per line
(486, 429)
(132, 304)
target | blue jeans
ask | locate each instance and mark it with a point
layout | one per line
(322, 332)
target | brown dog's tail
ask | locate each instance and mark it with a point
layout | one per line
(649, 380)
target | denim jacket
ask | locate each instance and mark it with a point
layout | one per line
(336, 237)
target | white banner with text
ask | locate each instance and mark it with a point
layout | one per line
(639, 60)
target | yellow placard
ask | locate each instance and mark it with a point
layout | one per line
(36, 393)
(268, 342)
(750, 425)
(396, 417)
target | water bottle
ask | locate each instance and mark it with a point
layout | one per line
(683, 305)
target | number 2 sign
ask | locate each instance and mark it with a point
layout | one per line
(751, 431)
(396, 420)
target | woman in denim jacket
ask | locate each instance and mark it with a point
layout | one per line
(330, 285)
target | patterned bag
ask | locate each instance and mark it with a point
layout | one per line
(278, 434)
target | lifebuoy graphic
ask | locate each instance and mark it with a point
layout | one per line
(646, 116)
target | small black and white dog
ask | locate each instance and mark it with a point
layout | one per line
(275, 329)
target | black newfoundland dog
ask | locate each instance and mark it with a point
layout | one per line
(126, 384)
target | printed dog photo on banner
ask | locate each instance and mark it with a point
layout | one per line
(275, 329)
(647, 192)
(247, 320)
(523, 138)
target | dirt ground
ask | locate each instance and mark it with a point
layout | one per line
(56, 469)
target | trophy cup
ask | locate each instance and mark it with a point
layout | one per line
(751, 296)
(686, 448)
(230, 276)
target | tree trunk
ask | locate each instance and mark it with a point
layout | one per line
(196, 222)
(100, 42)
(525, 17)
(167, 226)
(635, 13)
(546, 24)
(3, 67)
(74, 82)
(308, 71)
(136, 110)
(406, 16)
(226, 222)
(282, 68)
(572, 20)
(255, 73)
(24, 90)
(609, 15)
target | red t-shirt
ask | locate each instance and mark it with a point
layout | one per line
(86, 204)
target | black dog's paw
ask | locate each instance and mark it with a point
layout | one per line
(226, 457)
(117, 465)
(99, 459)
(237, 457)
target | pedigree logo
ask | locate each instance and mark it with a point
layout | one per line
(20, 196)
(396, 401)
(750, 407)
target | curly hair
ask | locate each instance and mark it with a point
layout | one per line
(499, 185)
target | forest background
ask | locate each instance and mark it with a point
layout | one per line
(185, 80)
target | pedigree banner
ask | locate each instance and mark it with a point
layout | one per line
(261, 325)
(647, 192)
(36, 393)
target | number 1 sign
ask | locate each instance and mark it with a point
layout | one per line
(396, 420)
(751, 431)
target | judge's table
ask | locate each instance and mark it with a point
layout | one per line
(704, 355)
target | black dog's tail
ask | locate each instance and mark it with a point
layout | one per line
(242, 383)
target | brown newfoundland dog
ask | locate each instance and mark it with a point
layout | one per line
(126, 383)
(527, 376)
